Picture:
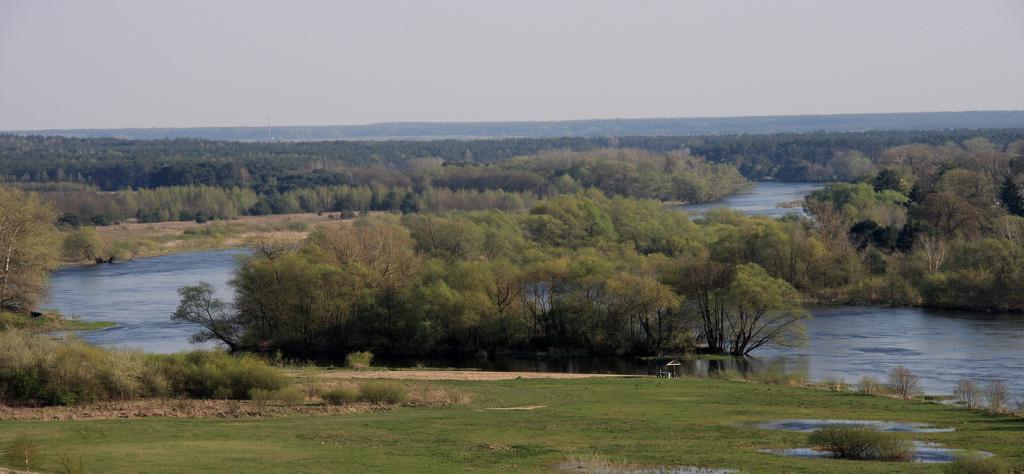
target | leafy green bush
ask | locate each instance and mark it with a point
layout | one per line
(382, 393)
(340, 396)
(862, 442)
(210, 374)
(359, 360)
(976, 465)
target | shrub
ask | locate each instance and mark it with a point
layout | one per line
(359, 360)
(967, 393)
(37, 369)
(834, 384)
(903, 383)
(289, 395)
(976, 465)
(41, 370)
(429, 394)
(382, 393)
(310, 386)
(862, 442)
(998, 396)
(340, 396)
(210, 374)
(870, 385)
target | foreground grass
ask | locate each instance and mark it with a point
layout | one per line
(638, 421)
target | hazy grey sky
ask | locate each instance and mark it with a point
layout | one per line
(103, 63)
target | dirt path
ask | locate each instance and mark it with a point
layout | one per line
(444, 375)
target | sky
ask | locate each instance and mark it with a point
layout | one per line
(186, 63)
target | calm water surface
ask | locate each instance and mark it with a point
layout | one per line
(140, 295)
(764, 199)
(846, 342)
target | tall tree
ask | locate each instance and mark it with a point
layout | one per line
(1012, 197)
(741, 308)
(28, 248)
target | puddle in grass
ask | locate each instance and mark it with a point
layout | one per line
(807, 426)
(605, 467)
(924, 452)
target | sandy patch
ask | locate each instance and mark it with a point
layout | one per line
(444, 375)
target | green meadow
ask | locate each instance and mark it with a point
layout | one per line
(634, 421)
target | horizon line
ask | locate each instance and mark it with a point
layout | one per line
(469, 122)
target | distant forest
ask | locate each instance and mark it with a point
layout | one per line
(114, 164)
(103, 181)
(576, 128)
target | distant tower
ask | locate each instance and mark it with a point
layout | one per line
(270, 136)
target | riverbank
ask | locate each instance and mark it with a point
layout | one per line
(49, 322)
(618, 421)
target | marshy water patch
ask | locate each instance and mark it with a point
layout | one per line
(610, 467)
(924, 452)
(810, 425)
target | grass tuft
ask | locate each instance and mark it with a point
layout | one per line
(340, 396)
(976, 465)
(359, 360)
(862, 443)
(382, 393)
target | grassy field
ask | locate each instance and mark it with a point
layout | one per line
(644, 421)
(49, 322)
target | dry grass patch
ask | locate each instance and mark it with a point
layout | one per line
(180, 409)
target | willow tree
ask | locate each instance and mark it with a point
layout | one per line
(28, 248)
(740, 308)
(764, 310)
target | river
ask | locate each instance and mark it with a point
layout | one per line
(765, 198)
(139, 295)
(847, 342)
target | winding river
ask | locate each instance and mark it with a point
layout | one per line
(845, 342)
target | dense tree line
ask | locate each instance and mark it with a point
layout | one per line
(667, 176)
(576, 273)
(113, 164)
(935, 225)
(427, 186)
